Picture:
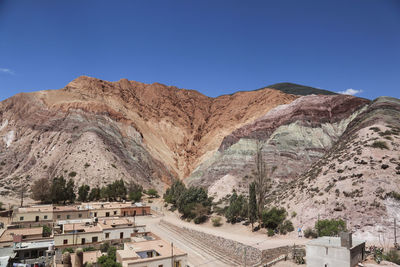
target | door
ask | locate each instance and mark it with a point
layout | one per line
(37, 219)
(83, 241)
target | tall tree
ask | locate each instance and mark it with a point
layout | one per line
(95, 194)
(83, 192)
(261, 179)
(58, 190)
(70, 191)
(252, 205)
(41, 190)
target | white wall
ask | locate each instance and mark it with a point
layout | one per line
(114, 233)
(319, 256)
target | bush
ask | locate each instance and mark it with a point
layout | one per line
(70, 250)
(46, 231)
(394, 195)
(271, 232)
(200, 219)
(392, 256)
(152, 193)
(89, 249)
(72, 174)
(330, 227)
(294, 214)
(310, 233)
(274, 217)
(286, 227)
(104, 247)
(380, 144)
(216, 221)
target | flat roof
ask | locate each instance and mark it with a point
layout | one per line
(79, 226)
(8, 234)
(162, 247)
(88, 256)
(111, 223)
(35, 245)
(329, 241)
(44, 208)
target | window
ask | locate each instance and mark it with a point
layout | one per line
(95, 214)
(94, 239)
(177, 264)
(107, 214)
(26, 254)
(80, 215)
(68, 216)
(21, 218)
(107, 235)
(45, 217)
(115, 212)
(160, 265)
(65, 241)
(58, 216)
(121, 235)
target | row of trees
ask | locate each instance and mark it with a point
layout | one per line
(59, 190)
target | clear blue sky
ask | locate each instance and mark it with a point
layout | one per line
(216, 47)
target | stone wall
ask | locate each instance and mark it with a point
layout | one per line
(235, 250)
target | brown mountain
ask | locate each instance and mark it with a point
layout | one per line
(97, 131)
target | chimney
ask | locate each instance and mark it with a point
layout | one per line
(346, 239)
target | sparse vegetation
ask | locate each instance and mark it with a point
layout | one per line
(380, 144)
(216, 221)
(330, 227)
(310, 233)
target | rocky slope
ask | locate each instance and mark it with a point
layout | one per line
(357, 180)
(96, 131)
(294, 136)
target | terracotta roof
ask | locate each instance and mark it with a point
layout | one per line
(7, 236)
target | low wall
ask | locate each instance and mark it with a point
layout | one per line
(235, 250)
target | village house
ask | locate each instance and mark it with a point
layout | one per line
(151, 253)
(33, 216)
(113, 209)
(117, 229)
(9, 236)
(341, 251)
(78, 234)
(69, 213)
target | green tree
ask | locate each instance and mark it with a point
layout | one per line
(46, 231)
(58, 190)
(152, 192)
(94, 194)
(273, 217)
(83, 192)
(330, 227)
(135, 196)
(236, 205)
(262, 179)
(174, 192)
(70, 191)
(252, 205)
(41, 190)
(189, 201)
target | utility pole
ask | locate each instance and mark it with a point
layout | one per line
(244, 256)
(172, 254)
(22, 197)
(395, 237)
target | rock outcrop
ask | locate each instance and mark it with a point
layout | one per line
(97, 131)
(294, 136)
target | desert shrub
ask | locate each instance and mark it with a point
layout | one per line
(72, 174)
(330, 227)
(380, 144)
(152, 193)
(394, 195)
(273, 217)
(286, 227)
(310, 233)
(294, 214)
(271, 232)
(392, 256)
(384, 166)
(216, 221)
(375, 129)
(200, 219)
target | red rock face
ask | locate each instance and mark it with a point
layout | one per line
(311, 111)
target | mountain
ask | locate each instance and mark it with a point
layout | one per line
(97, 131)
(333, 155)
(357, 179)
(297, 89)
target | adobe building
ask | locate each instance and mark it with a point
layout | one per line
(33, 216)
(61, 213)
(343, 251)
